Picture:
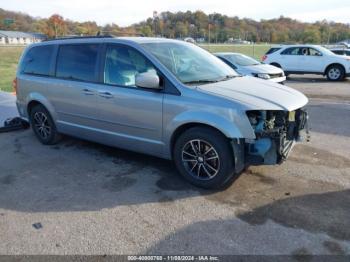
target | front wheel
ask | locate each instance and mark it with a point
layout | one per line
(204, 157)
(335, 73)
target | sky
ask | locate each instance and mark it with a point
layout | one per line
(127, 12)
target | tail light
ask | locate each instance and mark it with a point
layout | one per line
(14, 85)
(264, 58)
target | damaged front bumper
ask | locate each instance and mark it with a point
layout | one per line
(276, 133)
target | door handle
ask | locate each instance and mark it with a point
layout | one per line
(88, 92)
(105, 94)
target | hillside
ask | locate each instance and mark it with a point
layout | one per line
(182, 24)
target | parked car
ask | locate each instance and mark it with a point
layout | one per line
(339, 51)
(246, 65)
(166, 98)
(309, 59)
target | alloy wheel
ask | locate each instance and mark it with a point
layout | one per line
(42, 125)
(200, 159)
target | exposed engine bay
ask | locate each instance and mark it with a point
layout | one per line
(276, 133)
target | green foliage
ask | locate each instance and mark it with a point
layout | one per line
(9, 57)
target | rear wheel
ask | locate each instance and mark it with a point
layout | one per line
(43, 126)
(335, 73)
(204, 157)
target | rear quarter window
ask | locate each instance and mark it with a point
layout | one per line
(291, 51)
(37, 60)
(273, 50)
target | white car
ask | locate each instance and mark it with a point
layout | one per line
(246, 65)
(309, 59)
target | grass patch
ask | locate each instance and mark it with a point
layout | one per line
(256, 51)
(9, 56)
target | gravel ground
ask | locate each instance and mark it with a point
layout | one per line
(92, 199)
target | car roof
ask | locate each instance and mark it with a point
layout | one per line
(301, 45)
(103, 39)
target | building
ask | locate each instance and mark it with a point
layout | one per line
(20, 38)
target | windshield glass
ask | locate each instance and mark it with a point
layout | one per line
(241, 60)
(190, 63)
(325, 50)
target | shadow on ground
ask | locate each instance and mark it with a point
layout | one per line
(327, 213)
(329, 118)
(77, 175)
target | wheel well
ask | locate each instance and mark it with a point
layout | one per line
(325, 72)
(276, 64)
(31, 105)
(181, 129)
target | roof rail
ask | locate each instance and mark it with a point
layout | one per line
(79, 37)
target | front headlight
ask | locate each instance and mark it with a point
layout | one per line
(263, 76)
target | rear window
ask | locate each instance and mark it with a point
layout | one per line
(77, 62)
(273, 50)
(37, 61)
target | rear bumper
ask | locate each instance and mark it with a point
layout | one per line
(22, 111)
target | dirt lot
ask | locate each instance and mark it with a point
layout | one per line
(92, 199)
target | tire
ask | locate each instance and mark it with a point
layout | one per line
(335, 73)
(216, 166)
(43, 126)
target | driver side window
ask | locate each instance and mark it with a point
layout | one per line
(122, 64)
(314, 52)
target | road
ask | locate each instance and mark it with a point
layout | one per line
(93, 199)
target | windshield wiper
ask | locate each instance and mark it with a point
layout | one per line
(203, 81)
(228, 77)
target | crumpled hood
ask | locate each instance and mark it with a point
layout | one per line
(257, 94)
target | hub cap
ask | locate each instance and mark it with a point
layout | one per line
(42, 125)
(200, 159)
(334, 73)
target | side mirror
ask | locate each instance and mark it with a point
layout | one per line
(147, 80)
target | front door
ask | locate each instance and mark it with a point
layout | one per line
(131, 115)
(312, 60)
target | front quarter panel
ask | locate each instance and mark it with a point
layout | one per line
(225, 117)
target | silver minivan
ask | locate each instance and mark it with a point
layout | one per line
(162, 97)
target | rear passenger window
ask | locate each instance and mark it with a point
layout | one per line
(38, 59)
(77, 62)
(291, 51)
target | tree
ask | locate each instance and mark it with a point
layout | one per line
(56, 26)
(312, 36)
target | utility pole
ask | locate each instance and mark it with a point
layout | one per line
(155, 15)
(209, 33)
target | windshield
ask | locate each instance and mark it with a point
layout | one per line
(190, 63)
(241, 60)
(325, 50)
